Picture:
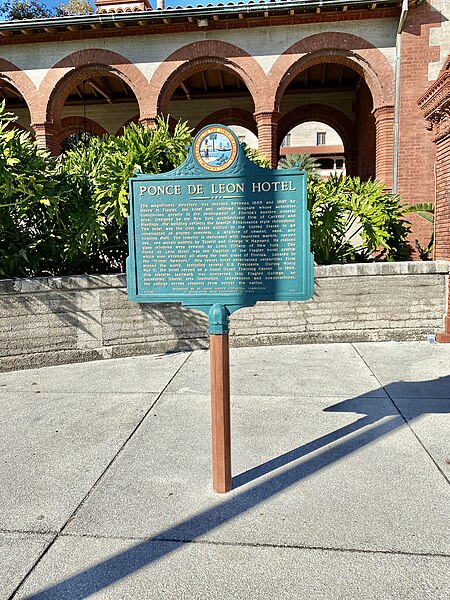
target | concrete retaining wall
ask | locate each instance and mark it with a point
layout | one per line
(47, 321)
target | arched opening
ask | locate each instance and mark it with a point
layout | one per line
(78, 129)
(321, 142)
(212, 95)
(336, 95)
(95, 104)
(245, 136)
(15, 104)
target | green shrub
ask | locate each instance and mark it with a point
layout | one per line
(257, 158)
(68, 214)
(96, 178)
(355, 221)
(29, 215)
(86, 239)
(142, 148)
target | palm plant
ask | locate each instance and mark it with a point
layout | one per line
(302, 162)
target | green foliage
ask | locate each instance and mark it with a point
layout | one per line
(96, 178)
(74, 139)
(29, 216)
(425, 210)
(68, 215)
(256, 157)
(354, 221)
(425, 253)
(16, 10)
(74, 7)
(85, 237)
(142, 148)
(302, 162)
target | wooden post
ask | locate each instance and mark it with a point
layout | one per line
(220, 398)
(220, 412)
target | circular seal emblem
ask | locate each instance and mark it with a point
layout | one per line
(215, 148)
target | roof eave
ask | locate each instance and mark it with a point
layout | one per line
(273, 7)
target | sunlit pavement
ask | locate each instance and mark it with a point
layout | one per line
(341, 467)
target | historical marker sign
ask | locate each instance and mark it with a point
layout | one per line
(217, 234)
(219, 230)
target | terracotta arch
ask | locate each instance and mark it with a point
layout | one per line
(70, 125)
(74, 68)
(230, 116)
(343, 48)
(194, 58)
(12, 74)
(325, 114)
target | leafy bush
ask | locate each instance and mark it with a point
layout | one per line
(68, 215)
(86, 239)
(29, 218)
(355, 221)
(257, 158)
(96, 179)
(142, 148)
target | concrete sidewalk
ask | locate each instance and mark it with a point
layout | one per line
(341, 464)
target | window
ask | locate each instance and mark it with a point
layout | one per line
(321, 135)
(286, 141)
(326, 163)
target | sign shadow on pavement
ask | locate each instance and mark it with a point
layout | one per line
(380, 417)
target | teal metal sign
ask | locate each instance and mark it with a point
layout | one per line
(219, 230)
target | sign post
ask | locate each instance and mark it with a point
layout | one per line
(218, 234)
(220, 397)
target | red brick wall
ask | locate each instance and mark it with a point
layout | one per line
(417, 152)
(442, 213)
(384, 127)
(442, 216)
(435, 104)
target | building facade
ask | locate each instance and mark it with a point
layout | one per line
(268, 67)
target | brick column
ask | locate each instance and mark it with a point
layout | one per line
(267, 123)
(148, 121)
(435, 104)
(384, 125)
(351, 162)
(46, 137)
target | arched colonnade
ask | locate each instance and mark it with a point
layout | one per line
(274, 102)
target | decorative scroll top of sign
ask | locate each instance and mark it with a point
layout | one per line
(219, 230)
